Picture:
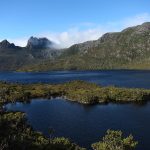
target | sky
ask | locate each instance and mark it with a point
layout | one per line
(67, 22)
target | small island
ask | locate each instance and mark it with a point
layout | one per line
(77, 91)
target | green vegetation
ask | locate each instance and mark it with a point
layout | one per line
(79, 91)
(16, 134)
(114, 140)
(91, 94)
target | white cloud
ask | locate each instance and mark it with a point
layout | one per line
(87, 31)
(128, 22)
(75, 35)
(19, 41)
(94, 31)
(136, 20)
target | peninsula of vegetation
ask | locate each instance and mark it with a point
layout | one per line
(78, 91)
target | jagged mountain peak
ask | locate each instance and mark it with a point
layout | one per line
(6, 44)
(39, 43)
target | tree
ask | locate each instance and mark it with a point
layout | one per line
(114, 140)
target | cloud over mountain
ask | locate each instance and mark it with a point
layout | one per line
(86, 31)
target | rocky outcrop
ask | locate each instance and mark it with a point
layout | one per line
(39, 43)
(6, 44)
(38, 49)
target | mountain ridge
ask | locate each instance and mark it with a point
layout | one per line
(13, 57)
(128, 49)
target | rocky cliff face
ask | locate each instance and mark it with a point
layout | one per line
(39, 43)
(42, 48)
(6, 44)
(37, 50)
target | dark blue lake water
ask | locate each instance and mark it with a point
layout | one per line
(87, 124)
(122, 78)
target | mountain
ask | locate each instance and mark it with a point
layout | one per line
(39, 43)
(6, 44)
(13, 57)
(42, 48)
(128, 49)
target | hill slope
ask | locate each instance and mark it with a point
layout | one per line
(128, 49)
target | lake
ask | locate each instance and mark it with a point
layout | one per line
(86, 124)
(121, 78)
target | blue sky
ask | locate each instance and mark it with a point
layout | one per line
(68, 21)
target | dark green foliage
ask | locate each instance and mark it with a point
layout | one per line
(80, 91)
(114, 140)
(15, 134)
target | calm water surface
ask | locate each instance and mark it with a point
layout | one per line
(87, 124)
(122, 78)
